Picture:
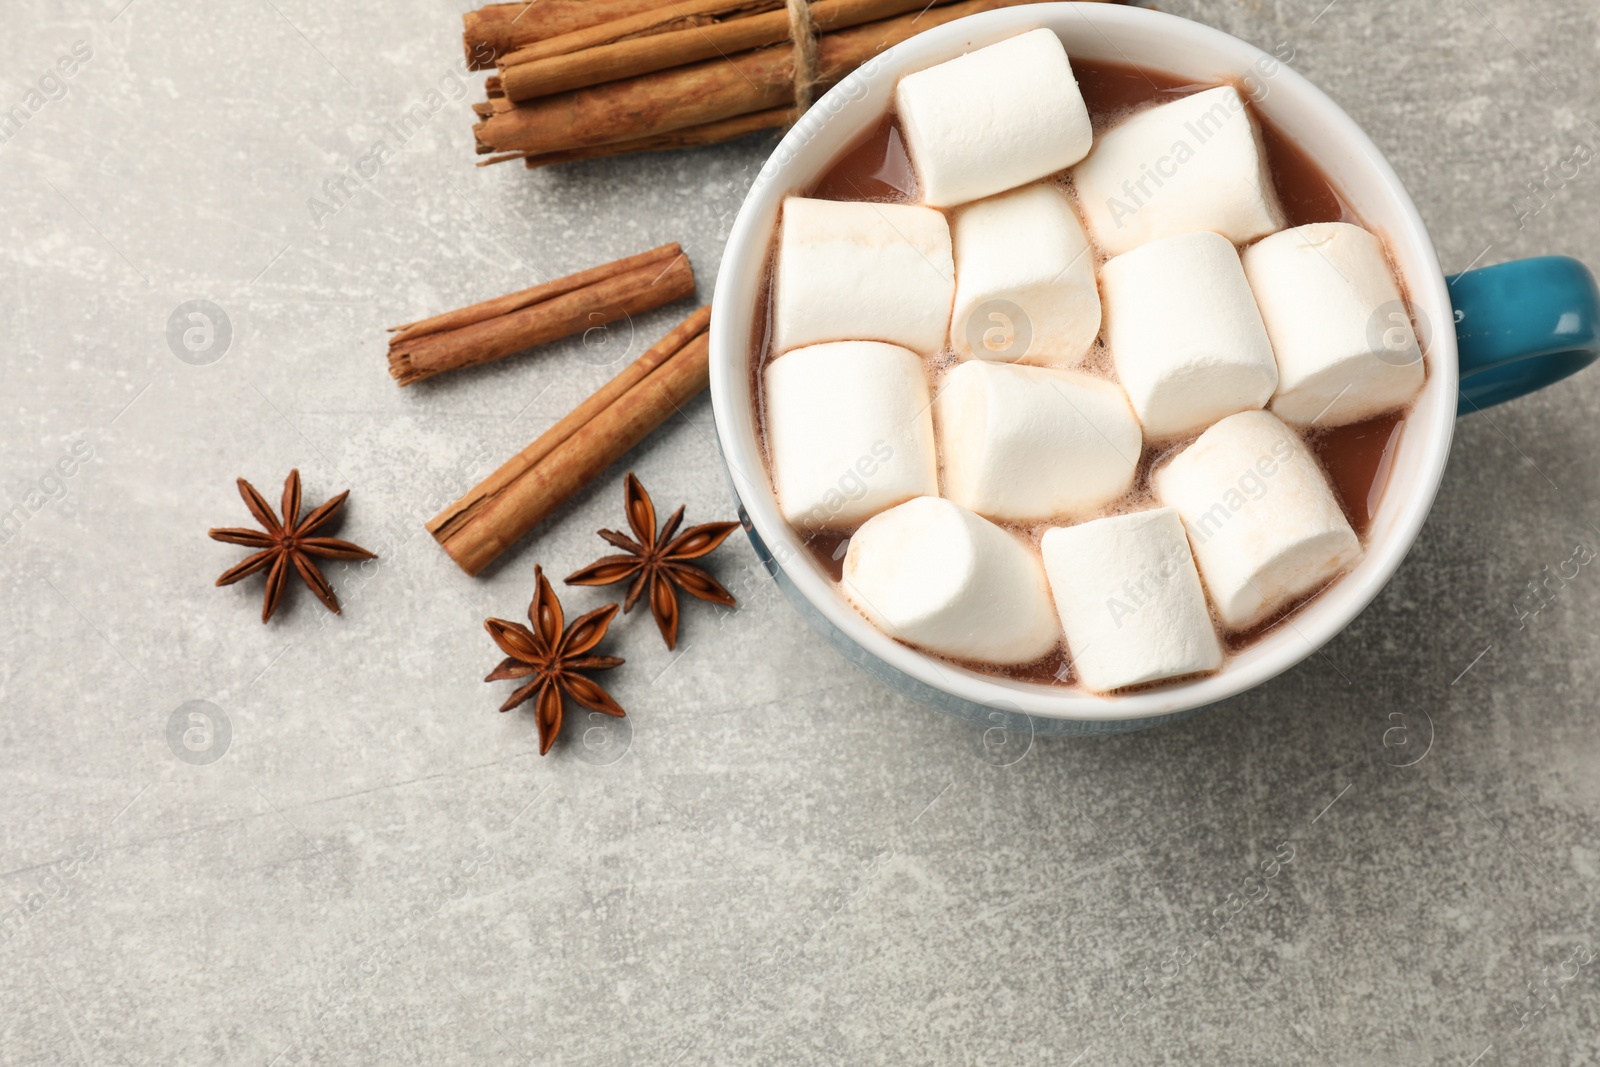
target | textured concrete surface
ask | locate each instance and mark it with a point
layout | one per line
(1387, 856)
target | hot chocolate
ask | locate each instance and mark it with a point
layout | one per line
(1233, 464)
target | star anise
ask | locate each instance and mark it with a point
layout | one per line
(288, 545)
(552, 654)
(659, 561)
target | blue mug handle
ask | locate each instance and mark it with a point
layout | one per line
(1521, 326)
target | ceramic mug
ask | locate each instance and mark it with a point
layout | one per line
(1518, 326)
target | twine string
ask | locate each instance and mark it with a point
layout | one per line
(803, 31)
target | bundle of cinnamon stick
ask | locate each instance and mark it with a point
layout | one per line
(582, 79)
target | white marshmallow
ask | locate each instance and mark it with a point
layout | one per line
(1032, 443)
(863, 272)
(1263, 522)
(934, 575)
(993, 119)
(849, 432)
(1025, 288)
(1346, 349)
(1184, 332)
(1193, 164)
(1130, 600)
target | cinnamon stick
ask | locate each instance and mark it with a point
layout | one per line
(531, 485)
(526, 79)
(500, 29)
(688, 137)
(662, 18)
(698, 93)
(500, 327)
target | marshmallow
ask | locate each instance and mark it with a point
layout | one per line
(1130, 600)
(1193, 164)
(849, 432)
(1265, 527)
(862, 272)
(934, 575)
(1025, 288)
(993, 119)
(1346, 350)
(1184, 332)
(1030, 443)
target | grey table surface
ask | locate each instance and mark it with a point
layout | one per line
(777, 860)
